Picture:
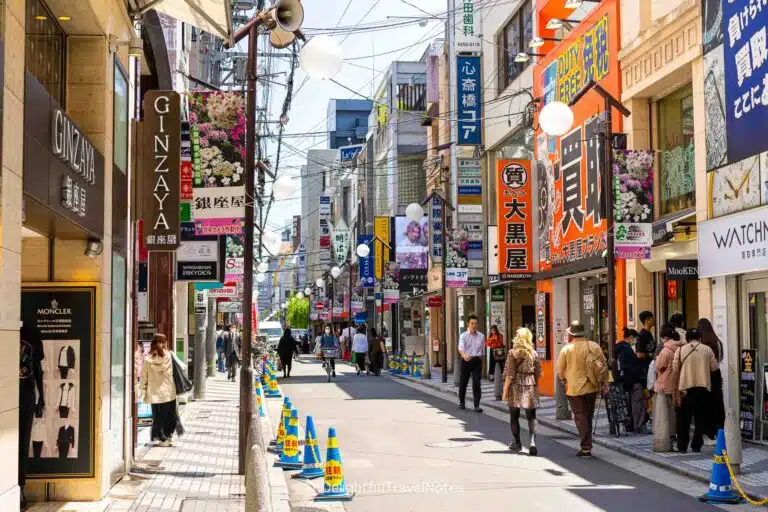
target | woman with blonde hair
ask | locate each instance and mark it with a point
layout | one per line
(521, 387)
(159, 389)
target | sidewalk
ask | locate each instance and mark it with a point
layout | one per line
(754, 467)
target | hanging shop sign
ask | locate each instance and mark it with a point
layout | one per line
(325, 207)
(542, 325)
(456, 259)
(747, 386)
(390, 284)
(435, 230)
(365, 265)
(225, 292)
(469, 94)
(434, 301)
(633, 240)
(570, 211)
(735, 87)
(230, 307)
(498, 316)
(735, 244)
(683, 270)
(341, 238)
(633, 203)
(492, 259)
(162, 164)
(514, 205)
(381, 230)
(219, 172)
(411, 248)
(296, 232)
(199, 261)
(63, 318)
(349, 153)
(467, 27)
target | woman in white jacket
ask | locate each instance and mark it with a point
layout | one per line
(159, 389)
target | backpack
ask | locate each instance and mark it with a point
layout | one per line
(219, 343)
(597, 370)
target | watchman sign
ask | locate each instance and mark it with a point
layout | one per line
(161, 169)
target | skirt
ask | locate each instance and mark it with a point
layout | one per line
(164, 418)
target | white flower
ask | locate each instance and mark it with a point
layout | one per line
(225, 181)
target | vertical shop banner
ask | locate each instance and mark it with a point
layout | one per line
(162, 169)
(358, 300)
(296, 232)
(467, 26)
(469, 97)
(570, 203)
(411, 247)
(633, 203)
(198, 261)
(234, 258)
(325, 207)
(747, 387)
(185, 178)
(514, 204)
(435, 213)
(365, 265)
(341, 238)
(62, 317)
(456, 261)
(219, 173)
(390, 284)
(381, 252)
(542, 325)
(325, 234)
(498, 309)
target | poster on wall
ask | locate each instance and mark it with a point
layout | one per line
(411, 250)
(542, 326)
(456, 259)
(390, 284)
(63, 318)
(381, 229)
(514, 205)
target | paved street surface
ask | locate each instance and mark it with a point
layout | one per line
(406, 449)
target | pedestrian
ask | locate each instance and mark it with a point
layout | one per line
(158, 388)
(220, 358)
(717, 405)
(521, 387)
(360, 349)
(630, 374)
(329, 342)
(495, 342)
(678, 322)
(377, 350)
(667, 381)
(646, 344)
(471, 348)
(285, 349)
(694, 362)
(582, 368)
(231, 351)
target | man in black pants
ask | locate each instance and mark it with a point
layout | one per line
(471, 348)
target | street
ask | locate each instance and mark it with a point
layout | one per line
(404, 449)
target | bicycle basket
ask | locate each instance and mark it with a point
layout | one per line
(329, 352)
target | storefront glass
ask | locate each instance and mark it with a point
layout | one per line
(677, 163)
(120, 131)
(44, 48)
(679, 297)
(756, 330)
(117, 378)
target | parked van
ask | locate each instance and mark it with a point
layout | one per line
(273, 332)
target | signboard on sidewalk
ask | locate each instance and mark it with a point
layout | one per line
(747, 386)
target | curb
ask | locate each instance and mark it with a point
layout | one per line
(278, 487)
(599, 440)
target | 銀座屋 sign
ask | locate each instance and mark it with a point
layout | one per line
(515, 219)
(162, 147)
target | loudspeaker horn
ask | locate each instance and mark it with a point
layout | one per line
(289, 14)
(280, 38)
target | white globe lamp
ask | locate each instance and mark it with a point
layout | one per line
(260, 278)
(284, 188)
(320, 283)
(556, 119)
(414, 211)
(335, 272)
(363, 250)
(307, 291)
(321, 57)
(263, 267)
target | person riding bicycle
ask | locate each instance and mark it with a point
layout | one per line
(329, 342)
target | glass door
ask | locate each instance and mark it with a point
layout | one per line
(755, 333)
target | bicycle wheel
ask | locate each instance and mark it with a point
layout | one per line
(328, 371)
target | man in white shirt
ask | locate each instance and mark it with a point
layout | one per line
(471, 349)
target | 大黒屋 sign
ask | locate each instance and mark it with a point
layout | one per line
(469, 97)
(162, 143)
(515, 219)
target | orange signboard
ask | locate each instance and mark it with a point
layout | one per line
(571, 211)
(514, 204)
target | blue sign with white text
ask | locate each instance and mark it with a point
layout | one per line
(348, 153)
(366, 264)
(469, 98)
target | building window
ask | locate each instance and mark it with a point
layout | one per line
(345, 204)
(120, 110)
(411, 182)
(677, 169)
(44, 49)
(513, 39)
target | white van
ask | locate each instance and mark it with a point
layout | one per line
(273, 331)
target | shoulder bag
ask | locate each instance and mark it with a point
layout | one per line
(180, 379)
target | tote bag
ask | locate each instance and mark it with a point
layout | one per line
(180, 379)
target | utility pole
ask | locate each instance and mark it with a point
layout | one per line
(453, 190)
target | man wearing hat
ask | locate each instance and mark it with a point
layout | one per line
(583, 369)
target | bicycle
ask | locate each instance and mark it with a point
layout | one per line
(329, 355)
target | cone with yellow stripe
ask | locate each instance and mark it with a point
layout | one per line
(280, 436)
(272, 390)
(313, 462)
(289, 458)
(334, 486)
(259, 396)
(720, 490)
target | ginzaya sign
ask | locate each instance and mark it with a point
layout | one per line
(162, 154)
(72, 147)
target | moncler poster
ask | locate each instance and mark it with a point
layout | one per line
(62, 432)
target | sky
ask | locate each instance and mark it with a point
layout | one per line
(362, 71)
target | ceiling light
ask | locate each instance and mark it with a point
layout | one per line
(536, 42)
(65, 18)
(93, 248)
(136, 47)
(573, 4)
(41, 17)
(522, 57)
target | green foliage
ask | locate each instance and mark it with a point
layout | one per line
(298, 312)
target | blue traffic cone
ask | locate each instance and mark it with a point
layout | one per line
(313, 462)
(417, 368)
(259, 397)
(406, 366)
(272, 390)
(284, 412)
(393, 364)
(282, 430)
(720, 490)
(398, 366)
(334, 486)
(289, 459)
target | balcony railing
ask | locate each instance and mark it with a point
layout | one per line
(412, 97)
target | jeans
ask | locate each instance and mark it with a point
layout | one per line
(470, 368)
(583, 407)
(694, 407)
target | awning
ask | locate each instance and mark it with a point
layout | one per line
(212, 16)
(664, 229)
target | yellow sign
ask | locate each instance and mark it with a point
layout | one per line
(334, 474)
(291, 446)
(585, 59)
(381, 252)
(748, 362)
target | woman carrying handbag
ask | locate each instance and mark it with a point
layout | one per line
(159, 388)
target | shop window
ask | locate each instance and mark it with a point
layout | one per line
(120, 129)
(118, 357)
(513, 39)
(677, 163)
(44, 48)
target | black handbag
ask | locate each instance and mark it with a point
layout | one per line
(180, 379)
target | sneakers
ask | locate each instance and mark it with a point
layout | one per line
(515, 446)
(334, 373)
(478, 410)
(532, 451)
(584, 453)
(462, 406)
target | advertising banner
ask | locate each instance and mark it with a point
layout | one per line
(456, 261)
(162, 169)
(381, 252)
(341, 237)
(514, 204)
(633, 240)
(435, 214)
(365, 265)
(633, 203)
(469, 92)
(467, 26)
(198, 261)
(411, 248)
(542, 326)
(218, 174)
(325, 234)
(390, 284)
(59, 320)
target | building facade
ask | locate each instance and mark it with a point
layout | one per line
(347, 122)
